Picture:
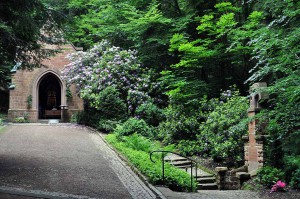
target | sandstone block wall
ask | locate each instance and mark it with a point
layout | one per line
(27, 81)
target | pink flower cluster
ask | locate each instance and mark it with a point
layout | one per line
(106, 65)
(278, 186)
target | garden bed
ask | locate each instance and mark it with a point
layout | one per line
(175, 179)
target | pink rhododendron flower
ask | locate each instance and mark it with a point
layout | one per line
(279, 185)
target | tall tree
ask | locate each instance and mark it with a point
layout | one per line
(24, 27)
(217, 58)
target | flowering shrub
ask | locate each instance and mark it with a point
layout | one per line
(105, 65)
(278, 186)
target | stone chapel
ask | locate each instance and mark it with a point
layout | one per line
(41, 93)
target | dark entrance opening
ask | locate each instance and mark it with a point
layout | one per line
(49, 97)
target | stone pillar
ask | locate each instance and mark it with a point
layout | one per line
(64, 113)
(220, 178)
(254, 141)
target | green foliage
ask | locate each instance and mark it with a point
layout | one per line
(109, 104)
(284, 120)
(189, 147)
(292, 170)
(88, 117)
(1, 122)
(133, 125)
(24, 26)
(295, 181)
(214, 129)
(69, 94)
(268, 176)
(139, 143)
(29, 101)
(22, 119)
(224, 128)
(150, 113)
(139, 24)
(276, 49)
(108, 125)
(220, 46)
(178, 125)
(74, 118)
(175, 179)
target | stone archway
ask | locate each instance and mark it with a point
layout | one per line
(48, 95)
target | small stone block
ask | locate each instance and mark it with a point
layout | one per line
(245, 137)
(221, 169)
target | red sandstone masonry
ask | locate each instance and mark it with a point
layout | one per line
(24, 82)
(254, 143)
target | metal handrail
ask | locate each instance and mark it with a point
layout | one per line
(163, 164)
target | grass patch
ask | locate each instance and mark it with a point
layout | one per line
(175, 179)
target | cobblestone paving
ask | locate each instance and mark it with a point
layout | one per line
(134, 185)
(210, 194)
(235, 194)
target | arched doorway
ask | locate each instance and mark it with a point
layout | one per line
(49, 97)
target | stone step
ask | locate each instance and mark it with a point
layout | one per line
(207, 186)
(167, 159)
(205, 180)
(205, 176)
(185, 163)
(200, 172)
(170, 157)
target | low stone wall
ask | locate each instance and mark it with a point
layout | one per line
(32, 115)
(231, 179)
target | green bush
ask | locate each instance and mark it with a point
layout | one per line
(1, 122)
(268, 176)
(110, 105)
(295, 181)
(108, 125)
(190, 147)
(133, 125)
(179, 124)
(292, 170)
(150, 113)
(283, 121)
(139, 143)
(175, 179)
(88, 117)
(223, 130)
(20, 120)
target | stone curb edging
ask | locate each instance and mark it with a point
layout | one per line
(144, 179)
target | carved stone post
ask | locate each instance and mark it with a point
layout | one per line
(254, 141)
